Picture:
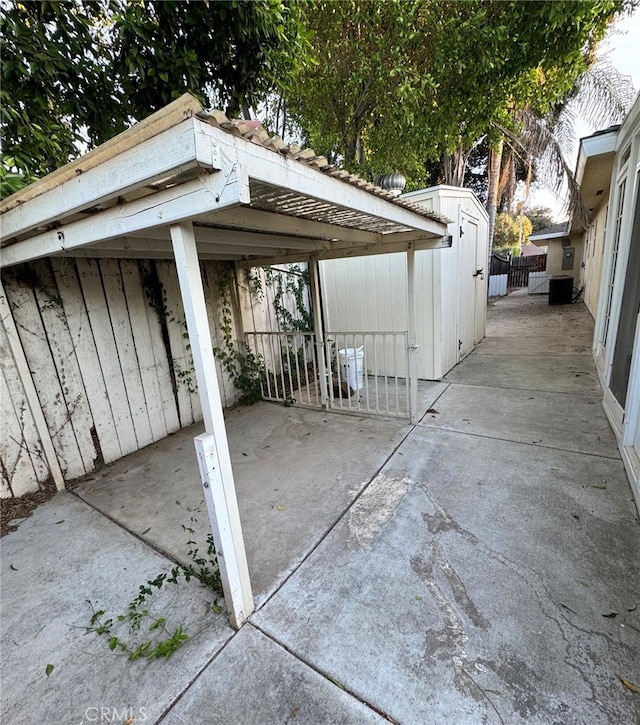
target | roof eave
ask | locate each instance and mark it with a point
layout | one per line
(216, 170)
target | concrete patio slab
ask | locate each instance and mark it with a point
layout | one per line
(520, 314)
(537, 345)
(254, 680)
(62, 563)
(571, 422)
(468, 584)
(442, 573)
(571, 373)
(296, 472)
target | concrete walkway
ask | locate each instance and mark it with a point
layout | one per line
(479, 567)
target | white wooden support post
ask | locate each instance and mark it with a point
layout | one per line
(318, 328)
(30, 392)
(212, 447)
(413, 347)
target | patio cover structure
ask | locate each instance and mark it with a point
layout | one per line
(193, 186)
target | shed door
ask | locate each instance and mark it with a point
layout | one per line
(470, 287)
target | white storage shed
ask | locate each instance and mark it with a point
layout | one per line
(370, 293)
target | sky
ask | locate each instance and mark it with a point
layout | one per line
(621, 47)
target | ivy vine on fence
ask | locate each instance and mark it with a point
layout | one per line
(245, 368)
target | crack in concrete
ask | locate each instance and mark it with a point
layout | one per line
(575, 655)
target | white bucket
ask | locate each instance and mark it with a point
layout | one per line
(352, 367)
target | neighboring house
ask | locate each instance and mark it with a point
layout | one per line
(593, 173)
(617, 334)
(531, 250)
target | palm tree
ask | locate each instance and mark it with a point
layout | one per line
(601, 96)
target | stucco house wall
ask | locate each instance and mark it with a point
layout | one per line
(556, 251)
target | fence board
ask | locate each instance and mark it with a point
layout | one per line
(522, 266)
(499, 264)
(19, 403)
(99, 319)
(126, 351)
(498, 285)
(66, 366)
(143, 346)
(38, 353)
(539, 283)
(97, 351)
(214, 301)
(17, 475)
(163, 372)
(23, 465)
(181, 359)
(87, 356)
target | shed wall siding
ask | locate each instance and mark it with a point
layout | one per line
(370, 293)
(97, 350)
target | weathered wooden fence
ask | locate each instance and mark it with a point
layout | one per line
(521, 266)
(106, 345)
(500, 264)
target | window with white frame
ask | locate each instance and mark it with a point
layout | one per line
(614, 259)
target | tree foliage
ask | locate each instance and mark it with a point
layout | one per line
(53, 84)
(76, 73)
(511, 231)
(393, 85)
(230, 54)
(541, 217)
(396, 84)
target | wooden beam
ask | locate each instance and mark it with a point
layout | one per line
(248, 219)
(30, 392)
(167, 117)
(262, 164)
(161, 246)
(212, 447)
(100, 253)
(167, 154)
(211, 191)
(343, 251)
(443, 240)
(316, 306)
(249, 238)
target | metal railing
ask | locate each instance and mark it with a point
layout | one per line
(368, 372)
(290, 366)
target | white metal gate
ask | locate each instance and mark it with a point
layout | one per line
(360, 372)
(364, 372)
(368, 372)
